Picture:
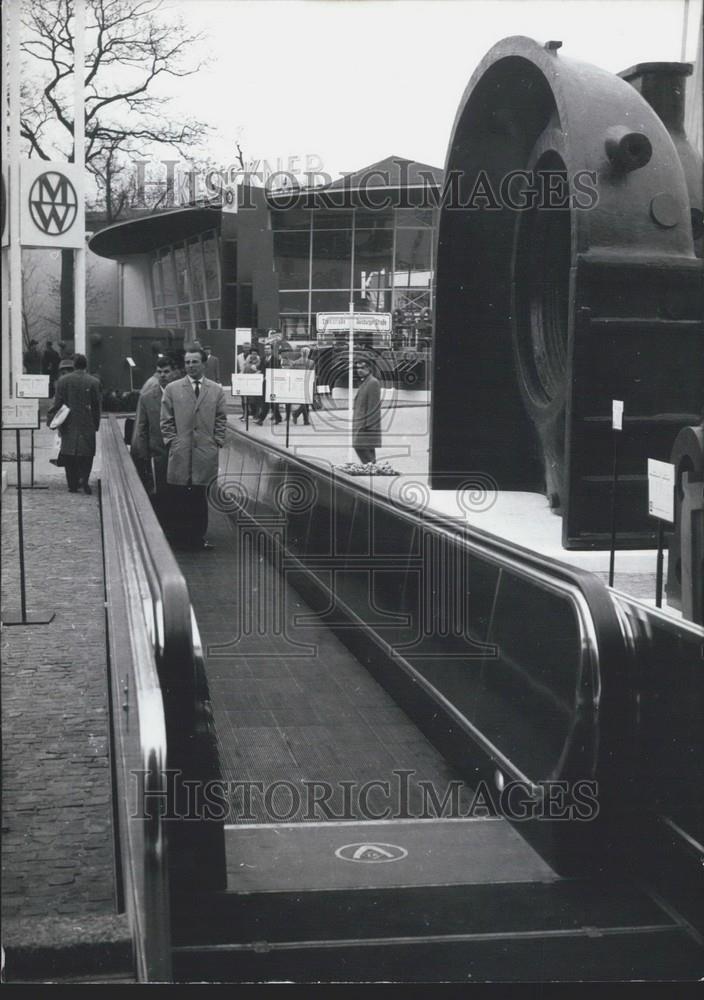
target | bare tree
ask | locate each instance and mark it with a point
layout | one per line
(131, 45)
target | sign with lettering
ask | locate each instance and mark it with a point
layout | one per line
(33, 386)
(361, 322)
(52, 211)
(20, 414)
(661, 490)
(250, 384)
(289, 385)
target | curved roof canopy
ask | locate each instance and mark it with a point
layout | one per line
(153, 231)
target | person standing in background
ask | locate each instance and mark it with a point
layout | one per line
(303, 362)
(211, 369)
(80, 392)
(366, 422)
(148, 448)
(50, 365)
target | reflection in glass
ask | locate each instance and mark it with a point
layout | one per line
(210, 251)
(195, 264)
(332, 258)
(292, 258)
(181, 273)
(413, 257)
(168, 278)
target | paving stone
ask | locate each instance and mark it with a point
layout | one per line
(56, 787)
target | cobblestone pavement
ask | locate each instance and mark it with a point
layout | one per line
(57, 853)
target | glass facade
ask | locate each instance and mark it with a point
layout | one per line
(381, 260)
(185, 283)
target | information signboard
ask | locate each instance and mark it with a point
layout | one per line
(33, 386)
(661, 490)
(343, 322)
(289, 385)
(20, 414)
(250, 384)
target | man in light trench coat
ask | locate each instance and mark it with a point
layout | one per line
(193, 422)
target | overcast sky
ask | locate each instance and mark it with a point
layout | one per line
(352, 81)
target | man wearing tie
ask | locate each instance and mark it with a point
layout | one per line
(193, 422)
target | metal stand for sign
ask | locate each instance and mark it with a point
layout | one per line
(350, 383)
(246, 413)
(25, 619)
(614, 486)
(32, 485)
(658, 565)
(288, 421)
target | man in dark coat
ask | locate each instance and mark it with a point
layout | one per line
(366, 421)
(50, 365)
(147, 447)
(193, 422)
(32, 359)
(80, 392)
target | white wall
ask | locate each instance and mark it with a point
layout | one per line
(137, 307)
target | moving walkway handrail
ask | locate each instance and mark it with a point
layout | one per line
(153, 688)
(603, 653)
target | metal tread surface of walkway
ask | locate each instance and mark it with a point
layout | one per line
(305, 733)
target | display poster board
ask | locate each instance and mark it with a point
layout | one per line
(33, 386)
(20, 414)
(661, 490)
(250, 384)
(289, 385)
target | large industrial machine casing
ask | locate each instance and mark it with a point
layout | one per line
(545, 316)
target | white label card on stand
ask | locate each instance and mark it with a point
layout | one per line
(617, 414)
(661, 490)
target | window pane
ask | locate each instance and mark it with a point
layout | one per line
(332, 219)
(295, 327)
(292, 218)
(167, 274)
(291, 258)
(184, 316)
(181, 274)
(158, 317)
(372, 299)
(195, 264)
(170, 317)
(330, 302)
(413, 257)
(415, 217)
(332, 255)
(382, 219)
(214, 310)
(210, 251)
(372, 256)
(199, 311)
(156, 280)
(293, 302)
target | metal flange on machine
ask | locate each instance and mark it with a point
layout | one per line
(567, 276)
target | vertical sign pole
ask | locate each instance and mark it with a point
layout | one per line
(79, 147)
(288, 420)
(246, 413)
(350, 381)
(31, 475)
(616, 427)
(614, 482)
(20, 529)
(658, 568)
(14, 15)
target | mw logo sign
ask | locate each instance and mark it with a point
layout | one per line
(53, 203)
